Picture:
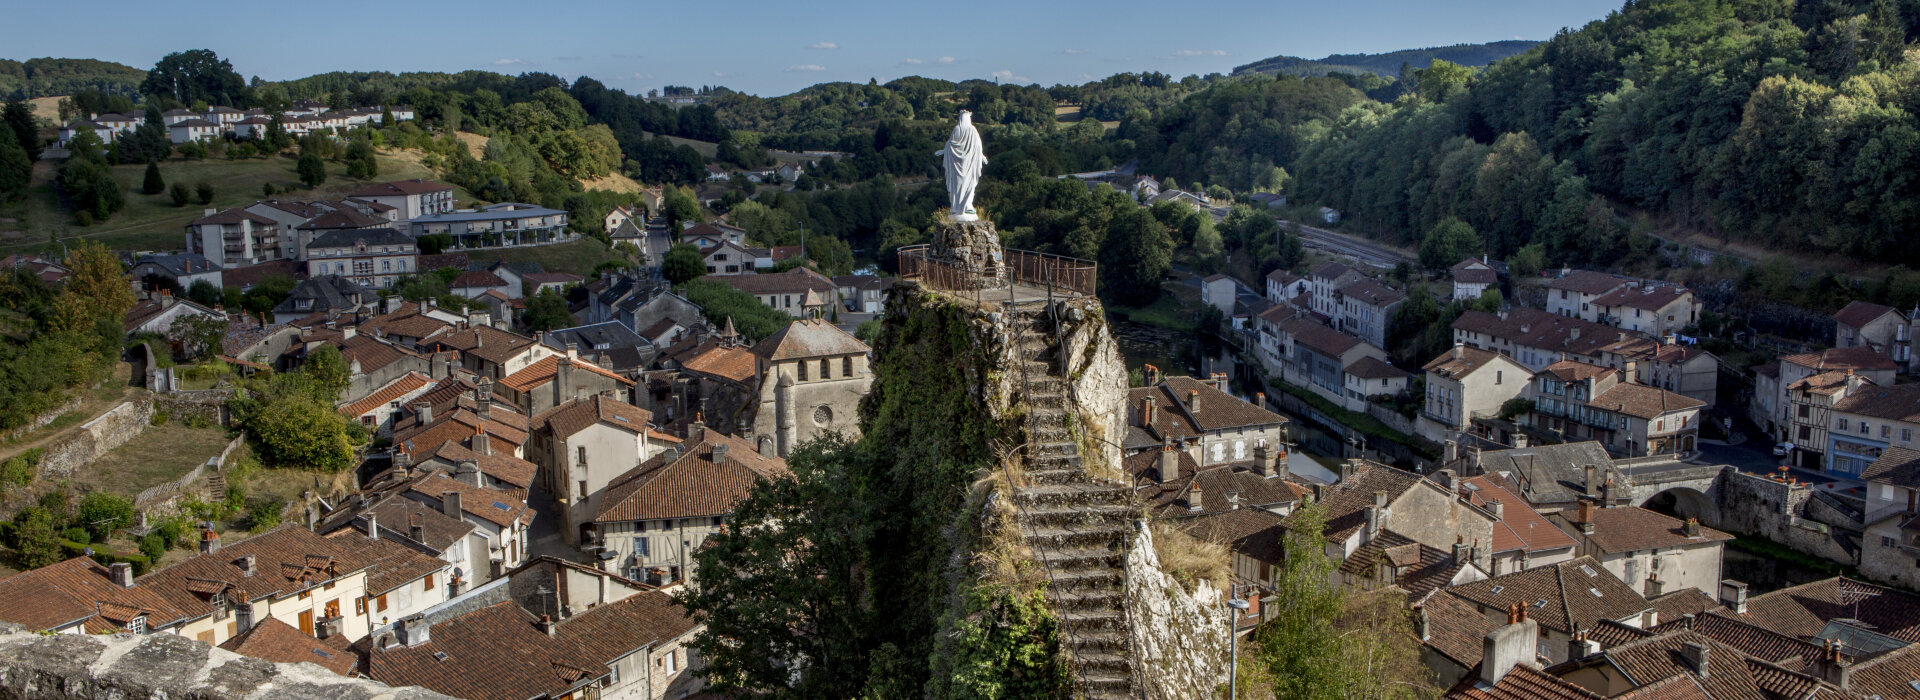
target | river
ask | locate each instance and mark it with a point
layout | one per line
(1764, 574)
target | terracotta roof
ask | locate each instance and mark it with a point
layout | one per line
(1372, 292)
(497, 464)
(1752, 640)
(1330, 270)
(1822, 384)
(1573, 371)
(1660, 657)
(689, 482)
(477, 278)
(794, 281)
(809, 338)
(1257, 533)
(542, 372)
(1219, 410)
(724, 361)
(1520, 527)
(1896, 465)
(1681, 603)
(1371, 367)
(73, 590)
(1623, 529)
(1860, 313)
(1521, 683)
(346, 226)
(1319, 337)
(1642, 401)
(574, 416)
(501, 507)
(1535, 328)
(1216, 482)
(392, 391)
(1889, 675)
(1588, 282)
(1900, 402)
(390, 564)
(1346, 502)
(233, 216)
(400, 187)
(407, 322)
(1636, 297)
(430, 263)
(279, 642)
(1421, 568)
(610, 631)
(1461, 361)
(1611, 633)
(1803, 611)
(1456, 628)
(494, 653)
(1568, 596)
(1472, 271)
(1859, 357)
(487, 343)
(1681, 687)
(373, 353)
(286, 560)
(458, 425)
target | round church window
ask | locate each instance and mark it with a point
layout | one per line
(822, 415)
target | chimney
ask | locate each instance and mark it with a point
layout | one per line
(166, 298)
(249, 565)
(415, 630)
(1193, 401)
(1459, 351)
(546, 626)
(121, 573)
(481, 444)
(424, 411)
(1263, 459)
(1497, 508)
(209, 541)
(1698, 657)
(1473, 455)
(1693, 528)
(414, 531)
(1733, 594)
(1151, 374)
(1146, 412)
(1374, 516)
(1349, 469)
(209, 211)
(573, 351)
(1832, 667)
(1461, 552)
(1581, 647)
(469, 474)
(563, 381)
(1445, 478)
(765, 445)
(1591, 484)
(373, 525)
(696, 432)
(1193, 499)
(450, 505)
(1655, 587)
(1453, 452)
(719, 452)
(1169, 463)
(243, 616)
(1509, 646)
(1220, 381)
(1260, 399)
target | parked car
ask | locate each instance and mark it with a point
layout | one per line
(1783, 449)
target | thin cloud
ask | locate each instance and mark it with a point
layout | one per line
(913, 61)
(1191, 53)
(946, 59)
(1007, 76)
(806, 68)
(566, 58)
(718, 74)
(509, 61)
(1073, 52)
(823, 46)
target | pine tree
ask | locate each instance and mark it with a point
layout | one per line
(16, 169)
(153, 184)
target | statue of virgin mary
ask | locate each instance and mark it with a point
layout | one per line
(964, 158)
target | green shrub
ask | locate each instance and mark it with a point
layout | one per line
(102, 513)
(153, 546)
(20, 469)
(264, 514)
(159, 418)
(172, 531)
(79, 534)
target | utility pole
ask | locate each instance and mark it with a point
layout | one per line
(1234, 608)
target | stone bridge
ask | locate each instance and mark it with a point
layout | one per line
(1725, 498)
(1687, 490)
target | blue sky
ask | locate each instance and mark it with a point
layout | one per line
(773, 48)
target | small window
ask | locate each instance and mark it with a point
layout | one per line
(846, 366)
(826, 369)
(360, 605)
(1843, 422)
(803, 370)
(1499, 376)
(426, 584)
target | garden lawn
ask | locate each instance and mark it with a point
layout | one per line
(159, 454)
(577, 256)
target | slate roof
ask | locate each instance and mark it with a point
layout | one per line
(1520, 526)
(233, 216)
(543, 371)
(400, 187)
(574, 416)
(1588, 282)
(1859, 357)
(1900, 402)
(1568, 596)
(1641, 401)
(610, 338)
(1860, 313)
(1472, 271)
(809, 338)
(180, 264)
(279, 642)
(1371, 367)
(1219, 410)
(1535, 328)
(1549, 474)
(1896, 465)
(1623, 529)
(343, 219)
(348, 238)
(689, 482)
(327, 292)
(1804, 610)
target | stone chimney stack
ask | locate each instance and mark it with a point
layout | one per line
(1509, 646)
(1146, 412)
(1194, 499)
(414, 531)
(1446, 479)
(1266, 461)
(481, 444)
(1591, 484)
(765, 443)
(415, 630)
(424, 411)
(1692, 528)
(1193, 401)
(1832, 666)
(469, 474)
(1733, 594)
(373, 526)
(1498, 509)
(121, 573)
(1586, 517)
(697, 431)
(1461, 552)
(563, 381)
(1581, 647)
(450, 505)
(1453, 452)
(1459, 351)
(209, 540)
(546, 626)
(1169, 463)
(719, 452)
(1699, 657)
(1655, 587)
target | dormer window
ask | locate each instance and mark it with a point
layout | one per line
(137, 625)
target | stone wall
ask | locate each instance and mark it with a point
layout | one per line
(1761, 507)
(64, 457)
(71, 402)
(116, 667)
(166, 499)
(209, 406)
(1179, 637)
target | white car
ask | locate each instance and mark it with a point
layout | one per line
(1783, 449)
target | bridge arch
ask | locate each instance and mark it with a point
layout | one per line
(1684, 502)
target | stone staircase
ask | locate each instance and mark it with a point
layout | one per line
(216, 486)
(1077, 526)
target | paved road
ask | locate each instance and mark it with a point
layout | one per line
(1351, 246)
(1755, 456)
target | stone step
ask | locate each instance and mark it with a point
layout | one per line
(1102, 576)
(1070, 475)
(1091, 599)
(1041, 448)
(1098, 642)
(1070, 494)
(1079, 536)
(1081, 514)
(1106, 662)
(1074, 622)
(1071, 563)
(1054, 461)
(1109, 685)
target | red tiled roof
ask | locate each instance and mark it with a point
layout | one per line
(1521, 683)
(1568, 596)
(498, 506)
(405, 384)
(477, 278)
(1520, 526)
(279, 642)
(724, 361)
(1473, 271)
(547, 368)
(1860, 313)
(400, 187)
(574, 416)
(1860, 357)
(497, 464)
(688, 483)
(1632, 529)
(1641, 401)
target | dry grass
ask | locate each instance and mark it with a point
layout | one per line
(476, 144)
(157, 455)
(1188, 559)
(613, 182)
(47, 108)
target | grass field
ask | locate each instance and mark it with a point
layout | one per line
(578, 257)
(157, 455)
(151, 222)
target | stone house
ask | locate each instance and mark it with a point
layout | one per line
(728, 258)
(1284, 287)
(1220, 291)
(1215, 427)
(491, 352)
(1533, 337)
(1572, 294)
(799, 292)
(1883, 328)
(401, 580)
(812, 376)
(376, 410)
(1648, 551)
(558, 379)
(330, 295)
(1466, 382)
(1862, 360)
(1654, 309)
(657, 514)
(717, 378)
(417, 526)
(1370, 499)
(1371, 376)
(1323, 280)
(158, 314)
(1390, 560)
(582, 446)
(1867, 421)
(1890, 546)
(1688, 370)
(373, 257)
(1589, 402)
(1472, 277)
(1522, 537)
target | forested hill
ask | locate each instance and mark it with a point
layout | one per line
(1388, 64)
(46, 77)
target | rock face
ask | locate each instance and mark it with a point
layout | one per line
(102, 667)
(1179, 638)
(1096, 373)
(974, 247)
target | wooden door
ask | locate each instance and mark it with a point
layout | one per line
(306, 622)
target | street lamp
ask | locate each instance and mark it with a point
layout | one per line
(1233, 645)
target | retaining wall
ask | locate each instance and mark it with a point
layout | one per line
(39, 421)
(64, 457)
(1761, 507)
(166, 499)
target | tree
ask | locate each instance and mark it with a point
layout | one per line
(302, 431)
(178, 193)
(198, 336)
(35, 543)
(101, 513)
(205, 293)
(203, 191)
(311, 169)
(1298, 644)
(16, 168)
(198, 75)
(682, 263)
(1527, 261)
(1489, 301)
(547, 311)
(1450, 241)
(96, 291)
(151, 183)
(19, 120)
(361, 163)
(328, 370)
(1136, 255)
(679, 205)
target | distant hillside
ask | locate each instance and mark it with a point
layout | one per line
(47, 77)
(1387, 65)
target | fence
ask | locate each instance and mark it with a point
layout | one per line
(1053, 272)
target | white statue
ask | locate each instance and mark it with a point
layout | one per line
(964, 158)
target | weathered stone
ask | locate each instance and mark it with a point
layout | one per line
(1180, 638)
(972, 247)
(163, 667)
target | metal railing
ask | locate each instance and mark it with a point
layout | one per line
(1054, 273)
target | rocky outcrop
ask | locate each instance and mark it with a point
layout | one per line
(116, 667)
(1180, 638)
(973, 247)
